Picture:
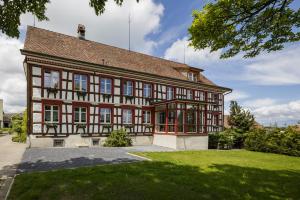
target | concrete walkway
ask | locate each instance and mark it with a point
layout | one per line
(10, 156)
(44, 159)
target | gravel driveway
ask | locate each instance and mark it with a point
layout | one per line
(43, 159)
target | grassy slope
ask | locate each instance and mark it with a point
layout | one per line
(173, 175)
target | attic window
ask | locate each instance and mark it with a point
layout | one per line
(192, 76)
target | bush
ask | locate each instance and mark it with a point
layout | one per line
(19, 127)
(281, 141)
(220, 140)
(118, 138)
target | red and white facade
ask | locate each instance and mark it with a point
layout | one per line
(79, 104)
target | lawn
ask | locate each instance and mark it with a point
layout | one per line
(171, 175)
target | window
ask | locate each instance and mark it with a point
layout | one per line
(105, 86)
(51, 114)
(170, 93)
(189, 94)
(58, 143)
(146, 117)
(147, 90)
(127, 116)
(192, 76)
(51, 79)
(95, 142)
(80, 115)
(105, 115)
(80, 82)
(128, 88)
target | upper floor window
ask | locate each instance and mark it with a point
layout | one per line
(127, 116)
(80, 82)
(51, 79)
(51, 114)
(128, 88)
(80, 115)
(105, 115)
(192, 76)
(146, 117)
(147, 90)
(105, 86)
(190, 94)
(170, 93)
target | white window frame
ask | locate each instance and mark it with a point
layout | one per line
(80, 112)
(51, 113)
(106, 111)
(128, 87)
(146, 117)
(192, 76)
(170, 93)
(81, 81)
(53, 82)
(189, 94)
(147, 90)
(107, 82)
(127, 117)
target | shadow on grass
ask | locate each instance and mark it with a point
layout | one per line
(158, 180)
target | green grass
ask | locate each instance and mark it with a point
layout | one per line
(172, 175)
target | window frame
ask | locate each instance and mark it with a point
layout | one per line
(192, 76)
(51, 72)
(191, 92)
(149, 90)
(149, 117)
(126, 88)
(80, 82)
(132, 115)
(51, 113)
(105, 84)
(80, 114)
(110, 118)
(167, 93)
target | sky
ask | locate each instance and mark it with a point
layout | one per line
(268, 85)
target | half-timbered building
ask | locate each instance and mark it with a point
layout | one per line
(78, 91)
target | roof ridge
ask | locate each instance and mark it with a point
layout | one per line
(129, 51)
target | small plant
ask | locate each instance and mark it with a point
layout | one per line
(118, 138)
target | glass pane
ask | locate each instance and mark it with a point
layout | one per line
(77, 82)
(76, 116)
(55, 79)
(47, 79)
(47, 116)
(55, 116)
(83, 116)
(55, 107)
(102, 84)
(84, 84)
(108, 117)
(47, 107)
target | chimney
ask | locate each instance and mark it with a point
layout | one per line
(81, 31)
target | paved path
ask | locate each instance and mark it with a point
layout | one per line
(43, 159)
(10, 156)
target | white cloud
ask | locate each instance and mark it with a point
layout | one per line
(196, 58)
(279, 68)
(13, 84)
(278, 112)
(257, 103)
(110, 27)
(236, 95)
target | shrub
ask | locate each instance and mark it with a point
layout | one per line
(282, 141)
(19, 127)
(220, 140)
(118, 138)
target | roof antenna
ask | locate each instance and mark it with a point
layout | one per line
(129, 21)
(184, 54)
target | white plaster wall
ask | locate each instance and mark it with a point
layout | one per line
(192, 142)
(142, 140)
(165, 140)
(36, 92)
(36, 71)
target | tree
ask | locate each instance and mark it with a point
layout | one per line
(248, 26)
(240, 119)
(11, 10)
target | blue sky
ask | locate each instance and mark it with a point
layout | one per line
(268, 85)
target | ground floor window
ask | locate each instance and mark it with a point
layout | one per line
(105, 115)
(146, 117)
(127, 116)
(51, 114)
(80, 115)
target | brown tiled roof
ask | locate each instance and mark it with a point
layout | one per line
(60, 45)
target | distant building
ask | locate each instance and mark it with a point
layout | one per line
(1, 113)
(7, 119)
(226, 124)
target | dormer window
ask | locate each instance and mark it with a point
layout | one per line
(192, 76)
